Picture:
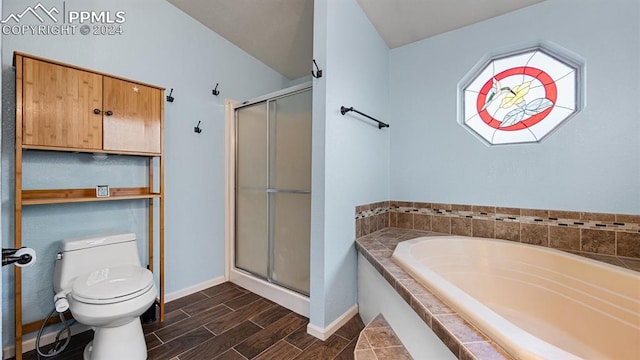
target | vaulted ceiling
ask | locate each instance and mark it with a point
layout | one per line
(280, 32)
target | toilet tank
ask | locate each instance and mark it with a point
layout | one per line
(82, 255)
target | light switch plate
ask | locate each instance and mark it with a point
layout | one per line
(102, 191)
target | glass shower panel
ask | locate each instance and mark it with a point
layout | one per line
(291, 148)
(252, 209)
(290, 179)
(290, 264)
(273, 194)
(251, 229)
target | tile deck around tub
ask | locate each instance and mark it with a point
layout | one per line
(462, 338)
(378, 341)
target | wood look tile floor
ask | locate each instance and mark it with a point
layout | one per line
(229, 322)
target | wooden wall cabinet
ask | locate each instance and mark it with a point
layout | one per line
(68, 107)
(61, 107)
(58, 106)
(135, 113)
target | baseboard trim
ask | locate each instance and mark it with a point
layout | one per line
(193, 289)
(48, 338)
(324, 334)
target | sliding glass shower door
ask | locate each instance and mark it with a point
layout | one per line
(273, 189)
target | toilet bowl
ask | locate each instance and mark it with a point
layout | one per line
(107, 289)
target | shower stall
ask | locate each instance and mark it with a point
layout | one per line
(273, 194)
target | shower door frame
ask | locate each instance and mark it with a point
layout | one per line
(290, 299)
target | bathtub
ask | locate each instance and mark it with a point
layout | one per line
(535, 302)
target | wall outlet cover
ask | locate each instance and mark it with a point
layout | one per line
(102, 191)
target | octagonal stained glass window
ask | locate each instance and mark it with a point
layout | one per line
(520, 97)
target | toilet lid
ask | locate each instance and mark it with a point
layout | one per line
(116, 283)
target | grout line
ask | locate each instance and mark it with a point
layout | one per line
(209, 330)
(225, 305)
(367, 338)
(340, 350)
(285, 339)
(388, 347)
(235, 351)
(255, 323)
(370, 347)
(156, 336)
(205, 295)
(267, 349)
(191, 348)
(265, 310)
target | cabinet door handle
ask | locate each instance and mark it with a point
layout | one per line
(98, 111)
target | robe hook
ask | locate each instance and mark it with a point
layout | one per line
(318, 73)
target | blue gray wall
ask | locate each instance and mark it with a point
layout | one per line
(592, 163)
(350, 154)
(162, 46)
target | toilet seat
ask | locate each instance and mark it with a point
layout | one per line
(112, 284)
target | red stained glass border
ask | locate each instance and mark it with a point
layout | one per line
(551, 93)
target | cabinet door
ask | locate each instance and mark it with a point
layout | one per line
(58, 104)
(134, 123)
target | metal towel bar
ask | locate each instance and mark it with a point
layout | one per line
(344, 110)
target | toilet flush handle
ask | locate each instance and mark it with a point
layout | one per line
(59, 255)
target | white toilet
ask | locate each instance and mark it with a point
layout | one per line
(108, 289)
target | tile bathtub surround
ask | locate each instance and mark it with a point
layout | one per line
(462, 338)
(378, 341)
(372, 217)
(580, 232)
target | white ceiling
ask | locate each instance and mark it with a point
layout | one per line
(280, 32)
(401, 22)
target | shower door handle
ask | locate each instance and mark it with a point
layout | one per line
(288, 191)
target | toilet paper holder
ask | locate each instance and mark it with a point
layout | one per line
(20, 257)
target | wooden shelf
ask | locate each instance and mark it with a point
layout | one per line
(62, 196)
